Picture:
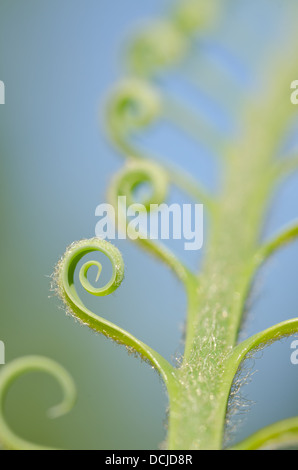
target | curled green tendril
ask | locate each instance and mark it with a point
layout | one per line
(157, 46)
(64, 284)
(191, 16)
(124, 183)
(132, 104)
(136, 173)
(21, 366)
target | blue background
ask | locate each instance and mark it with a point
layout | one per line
(57, 60)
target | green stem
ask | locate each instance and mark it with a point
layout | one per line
(64, 280)
(197, 411)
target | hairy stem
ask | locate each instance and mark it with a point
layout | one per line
(197, 412)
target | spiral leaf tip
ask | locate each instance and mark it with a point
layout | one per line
(190, 16)
(134, 174)
(156, 46)
(132, 104)
(64, 272)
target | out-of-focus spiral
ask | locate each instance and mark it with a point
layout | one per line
(157, 46)
(131, 105)
(191, 16)
(134, 174)
(124, 184)
(19, 367)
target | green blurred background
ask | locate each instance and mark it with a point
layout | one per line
(57, 60)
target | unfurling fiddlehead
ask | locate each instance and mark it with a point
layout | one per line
(158, 46)
(147, 59)
(133, 105)
(10, 373)
(192, 16)
(124, 184)
(134, 174)
(199, 388)
(162, 45)
(64, 282)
